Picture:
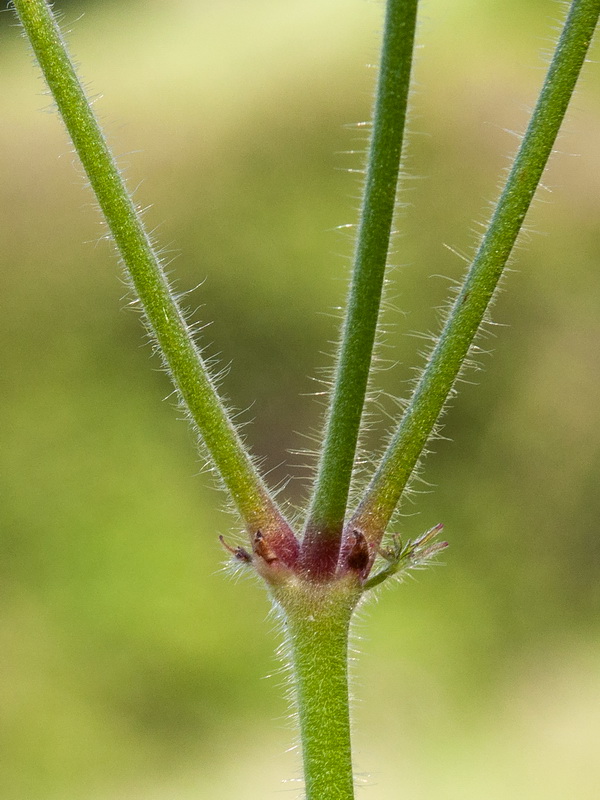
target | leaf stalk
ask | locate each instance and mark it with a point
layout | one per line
(163, 314)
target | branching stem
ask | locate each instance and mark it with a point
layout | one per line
(316, 603)
(467, 313)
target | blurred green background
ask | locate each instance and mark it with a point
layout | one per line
(130, 666)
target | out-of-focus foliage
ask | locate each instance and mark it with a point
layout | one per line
(130, 666)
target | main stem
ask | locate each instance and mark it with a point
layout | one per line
(328, 506)
(317, 619)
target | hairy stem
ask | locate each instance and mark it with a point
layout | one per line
(164, 317)
(317, 619)
(328, 508)
(467, 313)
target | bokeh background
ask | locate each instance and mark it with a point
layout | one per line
(131, 666)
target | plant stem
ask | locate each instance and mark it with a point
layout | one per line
(163, 314)
(317, 618)
(448, 356)
(328, 508)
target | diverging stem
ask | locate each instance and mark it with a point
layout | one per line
(317, 620)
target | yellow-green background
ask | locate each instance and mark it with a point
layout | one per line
(130, 666)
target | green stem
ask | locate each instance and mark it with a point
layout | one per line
(328, 508)
(165, 318)
(317, 619)
(467, 313)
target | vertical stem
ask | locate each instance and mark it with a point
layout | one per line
(328, 507)
(317, 622)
